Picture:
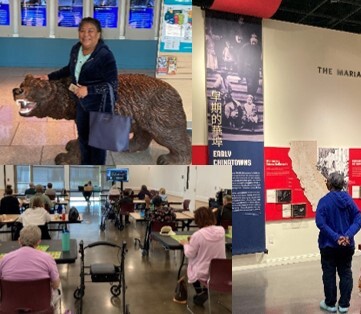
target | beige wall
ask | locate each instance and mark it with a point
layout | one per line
(199, 126)
(300, 104)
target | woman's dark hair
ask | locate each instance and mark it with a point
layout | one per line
(8, 190)
(157, 201)
(204, 217)
(90, 20)
(144, 188)
(50, 185)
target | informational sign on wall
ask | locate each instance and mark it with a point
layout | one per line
(4, 13)
(141, 13)
(70, 13)
(106, 11)
(33, 13)
(285, 198)
(176, 26)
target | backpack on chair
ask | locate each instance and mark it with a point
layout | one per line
(73, 215)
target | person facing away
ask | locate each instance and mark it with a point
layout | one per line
(338, 218)
(45, 199)
(9, 204)
(225, 212)
(93, 71)
(114, 190)
(161, 213)
(50, 192)
(30, 190)
(28, 263)
(204, 245)
(126, 199)
(163, 195)
(143, 191)
(88, 190)
(36, 214)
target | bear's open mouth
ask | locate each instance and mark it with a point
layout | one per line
(25, 106)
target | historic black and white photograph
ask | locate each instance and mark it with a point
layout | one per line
(234, 77)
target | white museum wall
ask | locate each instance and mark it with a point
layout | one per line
(300, 105)
(172, 178)
(2, 177)
(211, 179)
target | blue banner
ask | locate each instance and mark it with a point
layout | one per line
(235, 120)
(70, 13)
(106, 12)
(4, 13)
(33, 14)
(141, 18)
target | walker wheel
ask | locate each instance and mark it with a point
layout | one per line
(115, 290)
(78, 293)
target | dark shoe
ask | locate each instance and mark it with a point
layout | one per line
(199, 299)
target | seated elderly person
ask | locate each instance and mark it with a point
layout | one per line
(9, 204)
(114, 191)
(225, 212)
(35, 215)
(160, 212)
(47, 204)
(126, 199)
(31, 190)
(28, 263)
(88, 191)
(163, 195)
(50, 192)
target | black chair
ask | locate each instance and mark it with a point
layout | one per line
(45, 235)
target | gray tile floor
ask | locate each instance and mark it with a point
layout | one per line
(288, 289)
(38, 141)
(150, 280)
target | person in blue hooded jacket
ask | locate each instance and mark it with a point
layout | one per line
(339, 219)
(93, 70)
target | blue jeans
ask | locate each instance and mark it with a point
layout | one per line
(340, 260)
(89, 155)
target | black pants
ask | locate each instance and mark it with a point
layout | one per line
(340, 260)
(199, 288)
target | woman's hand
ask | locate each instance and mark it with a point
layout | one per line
(183, 242)
(82, 91)
(43, 77)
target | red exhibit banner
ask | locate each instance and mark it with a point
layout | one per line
(354, 182)
(284, 196)
(257, 8)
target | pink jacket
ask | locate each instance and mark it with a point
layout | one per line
(205, 244)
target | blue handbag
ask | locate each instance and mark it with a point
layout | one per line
(109, 131)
